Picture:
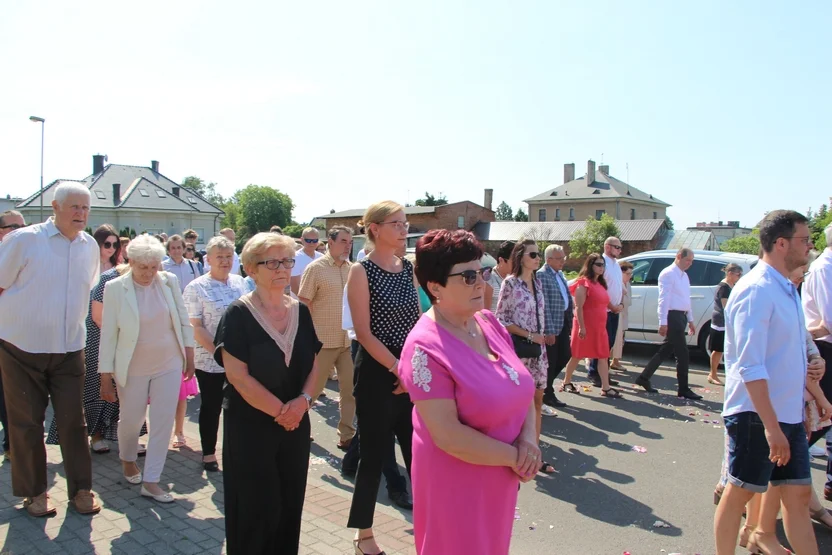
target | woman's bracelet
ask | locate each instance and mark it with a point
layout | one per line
(394, 367)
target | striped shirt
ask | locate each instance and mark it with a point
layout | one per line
(46, 281)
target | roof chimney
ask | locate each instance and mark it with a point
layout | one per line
(116, 194)
(590, 172)
(175, 191)
(569, 172)
(489, 197)
(97, 163)
(604, 169)
(154, 166)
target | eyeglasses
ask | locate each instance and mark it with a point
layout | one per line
(274, 263)
(310, 241)
(470, 276)
(805, 239)
(533, 254)
(109, 245)
(599, 264)
(400, 226)
(11, 226)
(190, 249)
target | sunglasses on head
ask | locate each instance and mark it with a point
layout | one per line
(470, 276)
(533, 254)
(310, 241)
(109, 245)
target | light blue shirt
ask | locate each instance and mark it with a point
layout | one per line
(765, 339)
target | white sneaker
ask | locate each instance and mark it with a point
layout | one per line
(818, 451)
(548, 411)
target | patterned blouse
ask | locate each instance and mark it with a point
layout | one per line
(207, 299)
(517, 306)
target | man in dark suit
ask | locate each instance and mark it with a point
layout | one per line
(558, 318)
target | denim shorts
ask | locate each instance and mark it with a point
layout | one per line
(748, 464)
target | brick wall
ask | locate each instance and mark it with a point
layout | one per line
(444, 217)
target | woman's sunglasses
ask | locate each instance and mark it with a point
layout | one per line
(109, 245)
(599, 264)
(470, 276)
(533, 254)
(190, 249)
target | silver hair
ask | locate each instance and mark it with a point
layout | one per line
(219, 242)
(551, 250)
(9, 213)
(828, 232)
(145, 249)
(65, 189)
(308, 230)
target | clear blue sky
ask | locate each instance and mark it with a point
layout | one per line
(719, 108)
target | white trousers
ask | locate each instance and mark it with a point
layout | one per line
(163, 391)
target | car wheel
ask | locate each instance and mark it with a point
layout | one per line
(702, 340)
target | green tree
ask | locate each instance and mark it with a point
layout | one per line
(747, 244)
(205, 190)
(504, 212)
(817, 223)
(521, 216)
(591, 238)
(261, 207)
(232, 217)
(668, 222)
(430, 200)
(294, 230)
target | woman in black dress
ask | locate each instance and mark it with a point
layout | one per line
(267, 344)
(385, 306)
(716, 340)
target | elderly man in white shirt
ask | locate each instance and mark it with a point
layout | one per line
(615, 289)
(675, 315)
(817, 309)
(46, 274)
(765, 377)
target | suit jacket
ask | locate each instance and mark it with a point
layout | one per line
(555, 307)
(120, 325)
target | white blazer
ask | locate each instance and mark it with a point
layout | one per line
(120, 325)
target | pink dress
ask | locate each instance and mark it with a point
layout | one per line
(461, 507)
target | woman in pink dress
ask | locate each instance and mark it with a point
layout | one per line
(474, 433)
(589, 331)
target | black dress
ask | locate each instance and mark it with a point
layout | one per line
(394, 311)
(264, 466)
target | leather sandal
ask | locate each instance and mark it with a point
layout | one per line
(358, 550)
(612, 393)
(39, 506)
(568, 388)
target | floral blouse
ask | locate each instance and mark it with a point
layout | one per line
(517, 306)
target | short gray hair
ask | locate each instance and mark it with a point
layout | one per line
(67, 188)
(145, 249)
(8, 213)
(257, 246)
(311, 230)
(551, 250)
(219, 242)
(827, 231)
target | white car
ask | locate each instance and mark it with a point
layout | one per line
(705, 274)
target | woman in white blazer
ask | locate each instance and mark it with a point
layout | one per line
(147, 343)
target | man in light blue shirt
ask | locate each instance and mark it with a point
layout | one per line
(765, 361)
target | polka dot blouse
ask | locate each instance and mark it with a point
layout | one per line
(394, 303)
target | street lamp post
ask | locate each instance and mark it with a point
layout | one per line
(42, 126)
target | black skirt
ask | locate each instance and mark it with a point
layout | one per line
(716, 341)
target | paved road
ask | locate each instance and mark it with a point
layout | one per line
(605, 497)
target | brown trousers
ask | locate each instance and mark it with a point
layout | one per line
(29, 381)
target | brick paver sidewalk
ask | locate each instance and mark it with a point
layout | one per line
(132, 525)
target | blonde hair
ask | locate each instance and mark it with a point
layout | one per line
(257, 246)
(376, 214)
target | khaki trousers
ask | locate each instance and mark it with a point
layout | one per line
(342, 361)
(29, 381)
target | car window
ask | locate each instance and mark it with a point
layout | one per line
(703, 273)
(640, 270)
(656, 268)
(714, 273)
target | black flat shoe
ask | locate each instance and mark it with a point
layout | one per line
(646, 385)
(401, 499)
(688, 394)
(211, 466)
(552, 400)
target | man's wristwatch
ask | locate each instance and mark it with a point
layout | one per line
(308, 400)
